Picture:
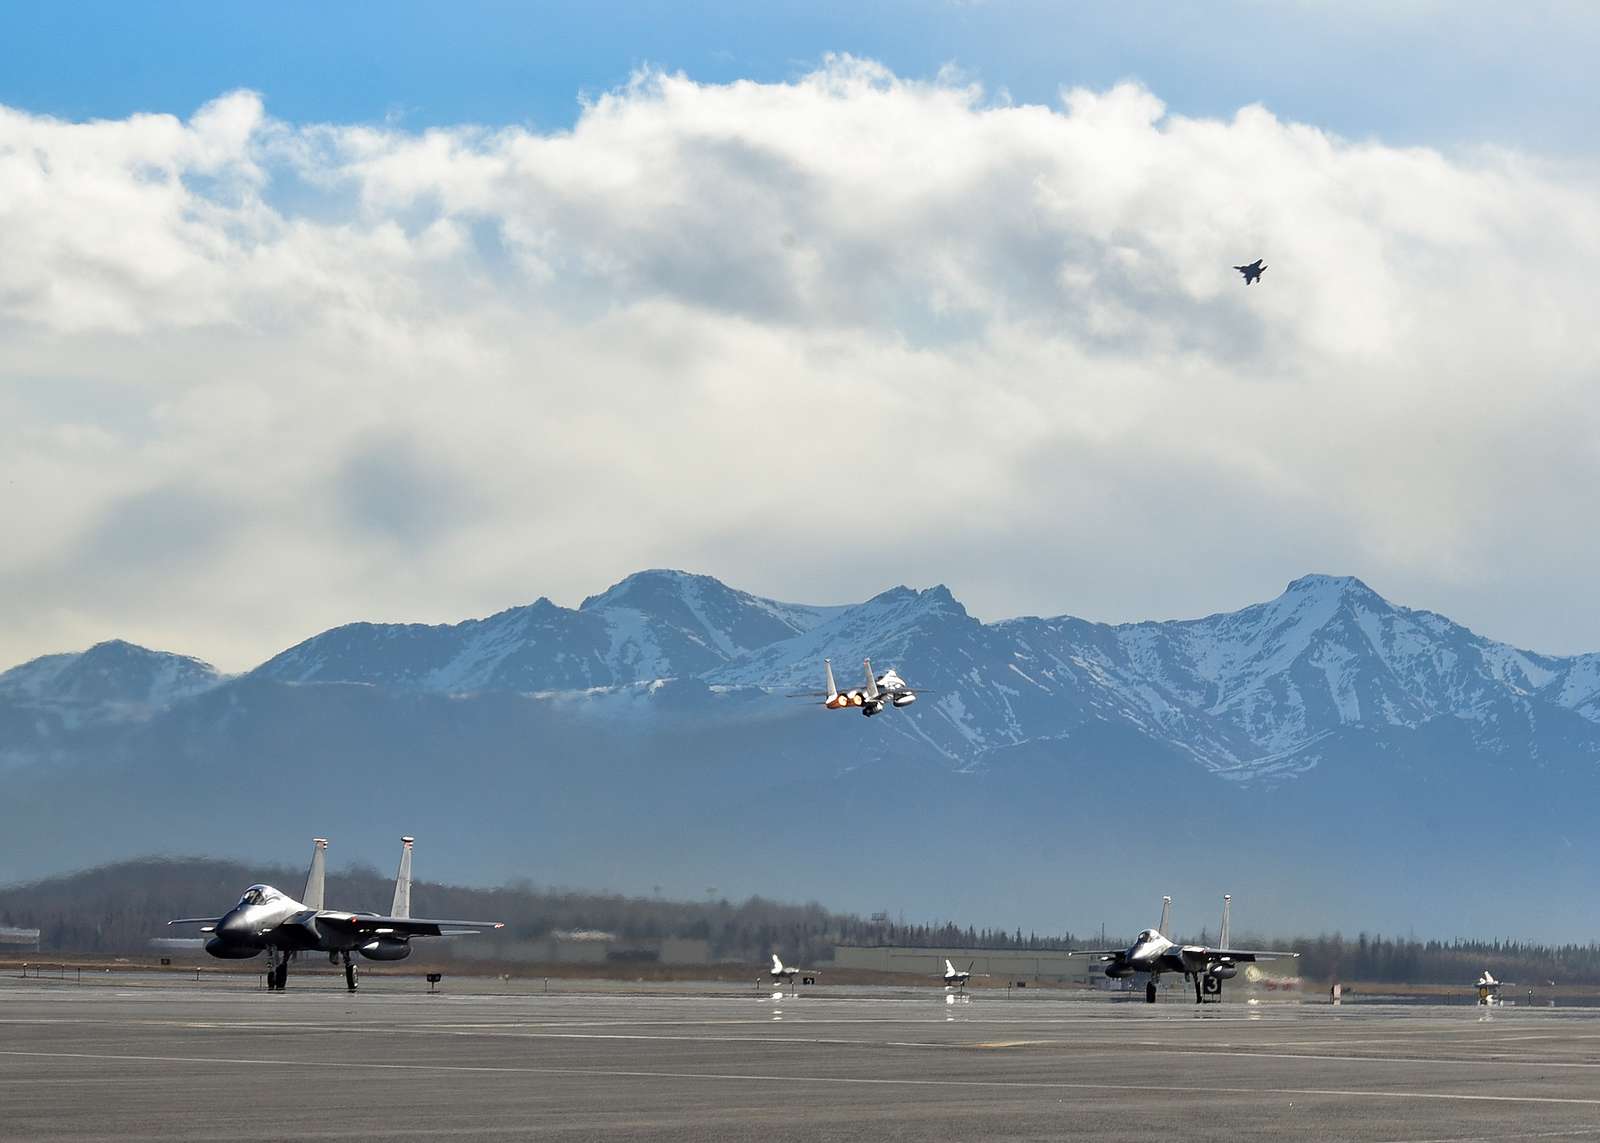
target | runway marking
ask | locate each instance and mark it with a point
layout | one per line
(1148, 1047)
(846, 1081)
(1444, 1060)
(1576, 1133)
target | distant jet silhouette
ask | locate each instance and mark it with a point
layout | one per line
(1252, 271)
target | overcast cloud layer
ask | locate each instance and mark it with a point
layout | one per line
(815, 338)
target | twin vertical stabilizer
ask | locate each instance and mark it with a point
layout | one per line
(316, 878)
(872, 680)
(1166, 917)
(402, 881)
(833, 691)
(1222, 935)
(316, 875)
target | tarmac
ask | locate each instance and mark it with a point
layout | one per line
(155, 1057)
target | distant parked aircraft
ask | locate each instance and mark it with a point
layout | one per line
(1489, 989)
(268, 920)
(1154, 953)
(887, 689)
(1252, 273)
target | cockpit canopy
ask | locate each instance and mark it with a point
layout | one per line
(1145, 936)
(259, 895)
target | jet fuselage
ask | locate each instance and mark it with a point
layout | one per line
(268, 918)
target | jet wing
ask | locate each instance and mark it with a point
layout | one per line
(212, 921)
(403, 926)
(1246, 955)
(1104, 954)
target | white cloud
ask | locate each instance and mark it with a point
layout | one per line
(815, 337)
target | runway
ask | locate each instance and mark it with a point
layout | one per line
(217, 1060)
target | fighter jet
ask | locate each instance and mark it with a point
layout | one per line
(957, 978)
(1252, 273)
(887, 689)
(785, 973)
(782, 972)
(269, 920)
(1154, 953)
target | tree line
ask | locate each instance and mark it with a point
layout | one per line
(120, 908)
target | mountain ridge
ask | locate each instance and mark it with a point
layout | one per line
(1247, 694)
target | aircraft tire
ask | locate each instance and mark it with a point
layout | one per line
(1150, 992)
(350, 976)
(280, 976)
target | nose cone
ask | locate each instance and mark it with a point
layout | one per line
(233, 929)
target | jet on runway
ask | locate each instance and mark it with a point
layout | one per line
(887, 689)
(1154, 953)
(955, 977)
(268, 920)
(784, 973)
(1252, 273)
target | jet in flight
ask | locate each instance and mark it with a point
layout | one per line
(269, 920)
(887, 689)
(1252, 273)
(1154, 953)
(955, 977)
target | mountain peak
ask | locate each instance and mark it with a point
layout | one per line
(114, 675)
(935, 598)
(651, 583)
(1330, 585)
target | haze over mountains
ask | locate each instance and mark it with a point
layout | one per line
(1323, 755)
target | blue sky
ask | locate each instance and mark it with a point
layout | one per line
(1409, 73)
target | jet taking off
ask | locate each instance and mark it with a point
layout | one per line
(266, 919)
(785, 973)
(1154, 953)
(887, 689)
(955, 977)
(1252, 273)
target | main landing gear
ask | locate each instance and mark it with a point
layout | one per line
(1207, 988)
(277, 970)
(1150, 990)
(349, 971)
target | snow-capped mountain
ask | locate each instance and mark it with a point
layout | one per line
(1256, 690)
(109, 681)
(652, 625)
(1246, 694)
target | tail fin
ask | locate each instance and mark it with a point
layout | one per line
(312, 897)
(948, 967)
(402, 881)
(827, 667)
(1166, 916)
(777, 965)
(1222, 933)
(872, 680)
